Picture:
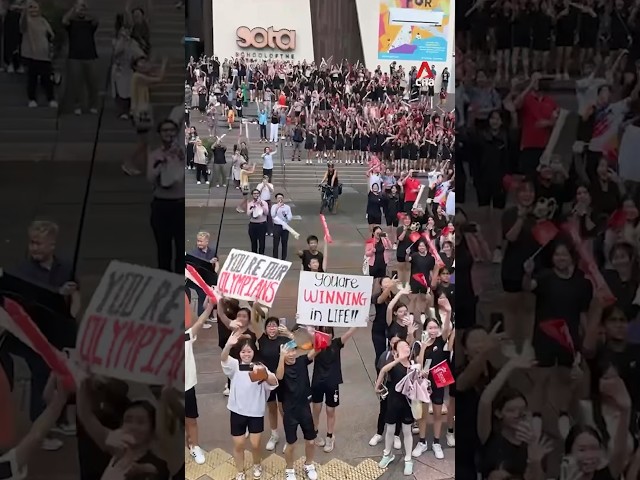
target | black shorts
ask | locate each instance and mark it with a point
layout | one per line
(408, 206)
(550, 353)
(392, 221)
(491, 194)
(511, 286)
(528, 160)
(327, 394)
(374, 219)
(298, 417)
(437, 395)
(275, 395)
(240, 424)
(401, 258)
(398, 409)
(190, 403)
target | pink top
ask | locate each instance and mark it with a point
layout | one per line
(370, 251)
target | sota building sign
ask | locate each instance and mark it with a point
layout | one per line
(266, 42)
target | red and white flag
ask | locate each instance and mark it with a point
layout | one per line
(192, 274)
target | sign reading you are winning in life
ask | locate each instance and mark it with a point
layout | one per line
(250, 276)
(132, 329)
(335, 300)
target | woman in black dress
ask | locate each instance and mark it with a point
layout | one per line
(620, 32)
(423, 152)
(404, 148)
(413, 153)
(422, 265)
(502, 19)
(566, 26)
(339, 145)
(542, 18)
(309, 144)
(396, 145)
(588, 27)
(348, 146)
(365, 140)
(191, 142)
(375, 202)
(320, 146)
(330, 142)
(521, 37)
(356, 145)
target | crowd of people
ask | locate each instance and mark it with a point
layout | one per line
(411, 258)
(548, 365)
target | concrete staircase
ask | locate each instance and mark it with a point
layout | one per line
(219, 466)
(297, 178)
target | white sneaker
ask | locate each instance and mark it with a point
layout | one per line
(64, 429)
(310, 470)
(497, 256)
(20, 69)
(257, 472)
(375, 440)
(290, 475)
(437, 451)
(451, 439)
(53, 104)
(10, 69)
(419, 449)
(197, 454)
(198, 183)
(408, 468)
(33, 104)
(207, 182)
(77, 111)
(206, 325)
(273, 441)
(329, 444)
(51, 444)
(319, 441)
(241, 476)
(226, 391)
(397, 443)
(93, 111)
(218, 185)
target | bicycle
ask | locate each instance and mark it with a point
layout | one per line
(327, 200)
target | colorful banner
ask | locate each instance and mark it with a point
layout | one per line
(413, 30)
(253, 277)
(334, 300)
(132, 329)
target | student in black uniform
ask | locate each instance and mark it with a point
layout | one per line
(398, 407)
(588, 27)
(423, 152)
(269, 355)
(521, 38)
(565, 29)
(392, 206)
(325, 385)
(357, 137)
(320, 146)
(312, 258)
(330, 143)
(422, 263)
(293, 375)
(375, 202)
(433, 351)
(413, 152)
(403, 234)
(502, 20)
(364, 146)
(348, 146)
(542, 18)
(309, 144)
(339, 145)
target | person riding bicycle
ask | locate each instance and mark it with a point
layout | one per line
(331, 179)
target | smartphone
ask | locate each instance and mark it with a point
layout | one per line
(290, 345)
(494, 319)
(394, 274)
(245, 367)
(383, 393)
(383, 235)
(425, 336)
(282, 322)
(568, 467)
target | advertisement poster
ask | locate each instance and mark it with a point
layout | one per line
(413, 30)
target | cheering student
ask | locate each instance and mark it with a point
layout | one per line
(190, 381)
(247, 400)
(13, 463)
(432, 352)
(325, 384)
(311, 257)
(293, 374)
(258, 212)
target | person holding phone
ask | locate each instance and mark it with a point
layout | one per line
(423, 266)
(281, 215)
(293, 374)
(433, 350)
(251, 384)
(378, 252)
(258, 211)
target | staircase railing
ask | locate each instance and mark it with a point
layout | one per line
(283, 166)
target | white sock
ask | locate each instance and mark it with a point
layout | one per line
(408, 442)
(274, 433)
(388, 439)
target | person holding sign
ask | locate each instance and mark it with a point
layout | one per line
(325, 384)
(250, 386)
(312, 259)
(258, 211)
(293, 374)
(433, 351)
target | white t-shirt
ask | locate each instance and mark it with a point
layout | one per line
(9, 468)
(246, 398)
(265, 191)
(374, 178)
(450, 207)
(190, 374)
(607, 122)
(628, 164)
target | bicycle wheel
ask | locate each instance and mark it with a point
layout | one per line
(330, 204)
(323, 205)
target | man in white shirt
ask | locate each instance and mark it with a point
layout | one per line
(281, 216)
(266, 190)
(190, 381)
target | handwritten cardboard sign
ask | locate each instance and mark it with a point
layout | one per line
(132, 329)
(334, 300)
(250, 276)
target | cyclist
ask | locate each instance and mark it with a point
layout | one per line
(331, 178)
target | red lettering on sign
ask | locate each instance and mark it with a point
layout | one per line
(248, 286)
(333, 297)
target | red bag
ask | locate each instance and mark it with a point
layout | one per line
(544, 232)
(442, 375)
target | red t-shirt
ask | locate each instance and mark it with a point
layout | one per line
(536, 107)
(411, 189)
